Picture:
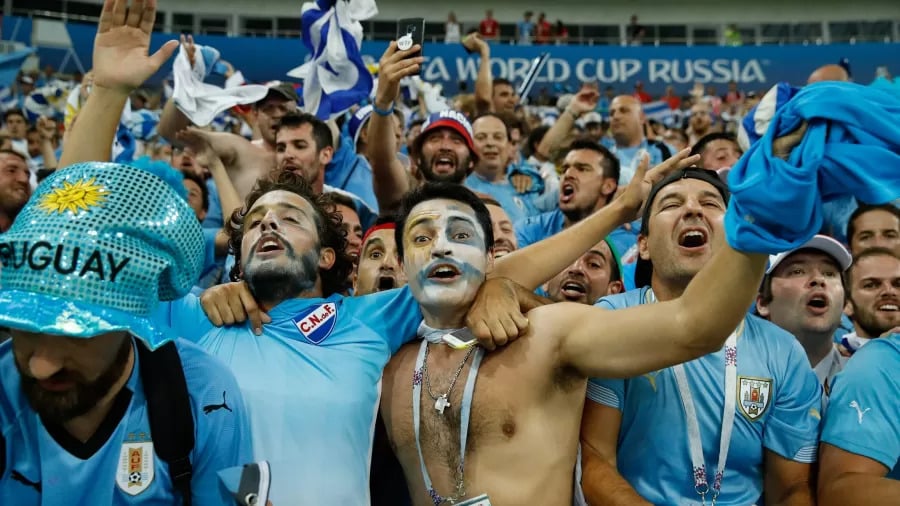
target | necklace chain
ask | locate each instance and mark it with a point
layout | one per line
(455, 375)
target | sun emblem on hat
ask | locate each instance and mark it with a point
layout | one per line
(83, 194)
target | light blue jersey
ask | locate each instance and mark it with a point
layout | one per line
(864, 409)
(539, 227)
(777, 408)
(517, 205)
(312, 383)
(118, 466)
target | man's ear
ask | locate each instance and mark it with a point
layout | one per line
(615, 287)
(327, 258)
(762, 308)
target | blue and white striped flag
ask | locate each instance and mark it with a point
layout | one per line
(336, 77)
(7, 99)
(48, 101)
(659, 111)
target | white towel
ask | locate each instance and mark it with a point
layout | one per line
(201, 102)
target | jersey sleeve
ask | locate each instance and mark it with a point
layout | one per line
(792, 429)
(862, 412)
(221, 424)
(185, 316)
(608, 392)
(394, 314)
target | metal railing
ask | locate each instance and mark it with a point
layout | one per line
(824, 32)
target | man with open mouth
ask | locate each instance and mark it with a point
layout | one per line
(803, 293)
(594, 275)
(873, 289)
(761, 380)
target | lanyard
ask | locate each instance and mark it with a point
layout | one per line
(465, 411)
(698, 463)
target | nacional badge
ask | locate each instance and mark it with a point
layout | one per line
(135, 471)
(754, 396)
(316, 323)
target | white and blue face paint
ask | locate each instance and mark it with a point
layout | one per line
(444, 255)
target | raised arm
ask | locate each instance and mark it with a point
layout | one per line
(484, 83)
(48, 131)
(389, 179)
(585, 101)
(648, 337)
(121, 64)
(172, 120)
(535, 265)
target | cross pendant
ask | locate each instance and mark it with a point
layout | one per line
(441, 403)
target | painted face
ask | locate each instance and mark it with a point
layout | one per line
(269, 112)
(444, 257)
(492, 144)
(63, 377)
(587, 279)
(296, 151)
(379, 268)
(875, 294)
(444, 156)
(583, 185)
(719, 154)
(352, 230)
(807, 294)
(280, 251)
(876, 228)
(505, 241)
(685, 223)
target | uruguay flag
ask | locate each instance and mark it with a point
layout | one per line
(335, 78)
(659, 111)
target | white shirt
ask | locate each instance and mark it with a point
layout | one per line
(451, 32)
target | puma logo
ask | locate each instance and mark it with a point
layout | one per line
(16, 475)
(651, 377)
(214, 407)
(859, 411)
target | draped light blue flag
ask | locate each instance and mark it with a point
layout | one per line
(11, 63)
(336, 77)
(757, 119)
(851, 147)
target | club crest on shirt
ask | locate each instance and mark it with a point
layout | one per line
(135, 471)
(754, 396)
(317, 323)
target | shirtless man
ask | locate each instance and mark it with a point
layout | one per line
(444, 239)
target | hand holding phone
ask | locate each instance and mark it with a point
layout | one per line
(410, 31)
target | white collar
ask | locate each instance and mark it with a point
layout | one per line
(829, 366)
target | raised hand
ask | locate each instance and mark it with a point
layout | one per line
(638, 189)
(474, 43)
(47, 128)
(394, 66)
(122, 59)
(584, 101)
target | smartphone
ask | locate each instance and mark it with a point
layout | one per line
(254, 486)
(460, 339)
(411, 31)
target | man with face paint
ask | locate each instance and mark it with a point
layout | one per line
(431, 396)
(320, 352)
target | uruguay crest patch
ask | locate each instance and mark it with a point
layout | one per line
(754, 396)
(135, 472)
(317, 323)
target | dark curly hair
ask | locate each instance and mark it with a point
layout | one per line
(328, 226)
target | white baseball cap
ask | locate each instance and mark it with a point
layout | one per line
(823, 243)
